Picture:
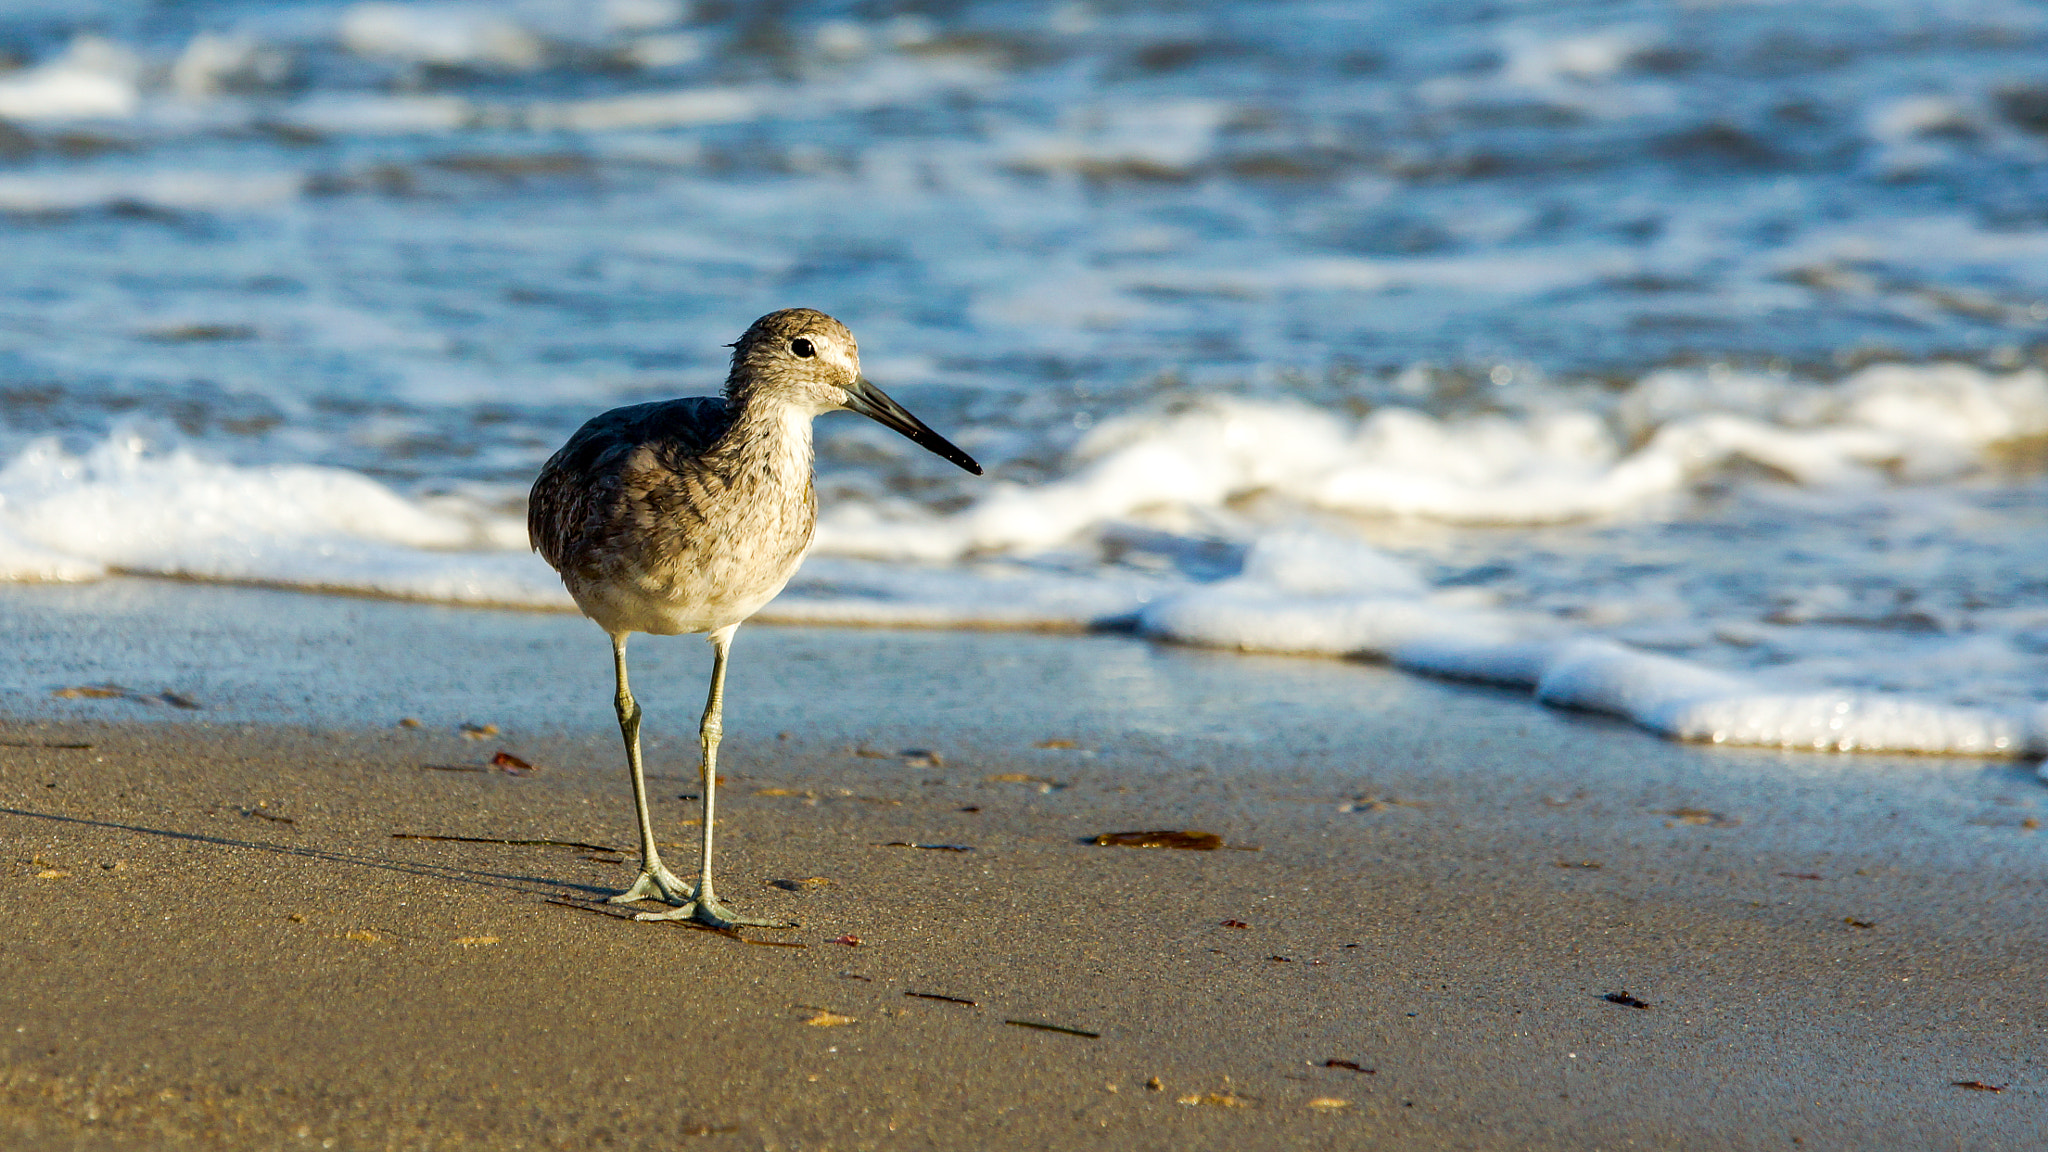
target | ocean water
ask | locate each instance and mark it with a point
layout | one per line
(1679, 361)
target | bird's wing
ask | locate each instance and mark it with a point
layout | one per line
(561, 495)
(687, 426)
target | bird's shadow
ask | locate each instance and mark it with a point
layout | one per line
(514, 882)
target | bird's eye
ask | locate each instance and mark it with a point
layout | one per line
(802, 348)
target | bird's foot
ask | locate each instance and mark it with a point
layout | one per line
(707, 908)
(656, 883)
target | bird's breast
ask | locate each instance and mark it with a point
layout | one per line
(703, 551)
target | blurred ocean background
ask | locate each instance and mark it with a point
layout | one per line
(1677, 360)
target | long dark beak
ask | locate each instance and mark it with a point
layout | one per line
(875, 404)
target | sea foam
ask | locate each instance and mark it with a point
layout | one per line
(1029, 556)
(94, 79)
(1551, 465)
(123, 507)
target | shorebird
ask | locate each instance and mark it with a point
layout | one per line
(689, 515)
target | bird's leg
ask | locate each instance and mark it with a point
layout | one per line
(707, 907)
(655, 881)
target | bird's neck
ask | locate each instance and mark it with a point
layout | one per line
(770, 444)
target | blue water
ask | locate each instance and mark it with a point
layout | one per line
(1032, 213)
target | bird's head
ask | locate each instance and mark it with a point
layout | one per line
(806, 360)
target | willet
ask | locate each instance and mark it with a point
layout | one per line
(689, 515)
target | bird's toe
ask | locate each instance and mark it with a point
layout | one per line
(656, 884)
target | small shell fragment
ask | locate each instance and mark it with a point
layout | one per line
(1216, 1100)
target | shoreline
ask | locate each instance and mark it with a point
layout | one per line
(245, 622)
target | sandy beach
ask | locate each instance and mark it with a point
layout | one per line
(1439, 917)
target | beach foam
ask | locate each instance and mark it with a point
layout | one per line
(1678, 698)
(1299, 588)
(1545, 466)
(123, 507)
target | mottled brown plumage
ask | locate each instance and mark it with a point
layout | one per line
(689, 515)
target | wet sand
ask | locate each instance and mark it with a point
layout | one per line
(213, 938)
